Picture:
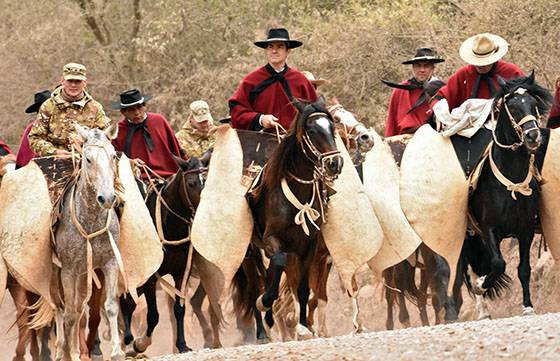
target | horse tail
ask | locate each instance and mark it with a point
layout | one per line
(474, 257)
(247, 284)
(42, 314)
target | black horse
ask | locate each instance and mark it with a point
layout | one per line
(506, 199)
(297, 172)
(178, 200)
(400, 283)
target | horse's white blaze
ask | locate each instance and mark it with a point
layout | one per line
(324, 123)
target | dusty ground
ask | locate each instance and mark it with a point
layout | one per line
(525, 338)
(519, 338)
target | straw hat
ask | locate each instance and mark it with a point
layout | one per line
(317, 82)
(483, 49)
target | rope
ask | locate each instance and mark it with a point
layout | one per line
(305, 210)
(522, 187)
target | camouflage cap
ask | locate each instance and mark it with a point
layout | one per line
(74, 71)
(201, 111)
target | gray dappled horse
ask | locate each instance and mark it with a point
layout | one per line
(86, 239)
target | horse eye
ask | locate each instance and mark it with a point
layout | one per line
(88, 160)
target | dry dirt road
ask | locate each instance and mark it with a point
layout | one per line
(518, 338)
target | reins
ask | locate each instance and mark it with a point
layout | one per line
(524, 186)
(306, 212)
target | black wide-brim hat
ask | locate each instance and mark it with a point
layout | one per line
(131, 98)
(40, 98)
(424, 54)
(276, 35)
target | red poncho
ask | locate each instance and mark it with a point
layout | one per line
(5, 147)
(554, 116)
(254, 98)
(24, 154)
(399, 121)
(461, 84)
(155, 133)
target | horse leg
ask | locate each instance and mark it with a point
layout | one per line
(404, 317)
(196, 303)
(389, 296)
(322, 297)
(73, 307)
(127, 309)
(22, 315)
(179, 312)
(497, 263)
(524, 273)
(303, 333)
(34, 345)
(111, 309)
(94, 321)
(44, 335)
(140, 345)
(262, 335)
(423, 296)
(84, 351)
(276, 267)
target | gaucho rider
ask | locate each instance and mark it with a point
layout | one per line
(264, 96)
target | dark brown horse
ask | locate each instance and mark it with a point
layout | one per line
(178, 200)
(293, 187)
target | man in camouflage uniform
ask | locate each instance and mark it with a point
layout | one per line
(197, 134)
(53, 132)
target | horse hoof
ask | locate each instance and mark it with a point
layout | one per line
(303, 332)
(260, 306)
(97, 358)
(184, 349)
(262, 341)
(477, 287)
(140, 345)
(528, 311)
(291, 320)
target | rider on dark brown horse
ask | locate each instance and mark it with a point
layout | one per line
(264, 96)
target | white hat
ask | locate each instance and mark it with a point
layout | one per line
(201, 111)
(483, 49)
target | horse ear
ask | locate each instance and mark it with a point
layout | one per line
(321, 102)
(531, 77)
(83, 131)
(205, 159)
(181, 163)
(299, 105)
(334, 101)
(501, 81)
(111, 130)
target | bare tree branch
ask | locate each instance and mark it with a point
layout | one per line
(88, 9)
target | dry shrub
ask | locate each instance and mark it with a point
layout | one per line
(180, 51)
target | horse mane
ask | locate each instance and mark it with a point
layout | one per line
(541, 94)
(286, 153)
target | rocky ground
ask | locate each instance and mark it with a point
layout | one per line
(518, 338)
(505, 337)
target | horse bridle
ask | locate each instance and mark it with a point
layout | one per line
(517, 126)
(321, 157)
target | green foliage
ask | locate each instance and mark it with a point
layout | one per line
(180, 51)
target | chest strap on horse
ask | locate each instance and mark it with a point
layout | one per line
(522, 187)
(305, 210)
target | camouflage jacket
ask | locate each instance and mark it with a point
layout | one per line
(194, 142)
(53, 125)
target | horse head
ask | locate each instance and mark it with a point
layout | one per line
(314, 130)
(355, 135)
(99, 164)
(192, 172)
(521, 102)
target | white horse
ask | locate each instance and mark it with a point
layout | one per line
(86, 239)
